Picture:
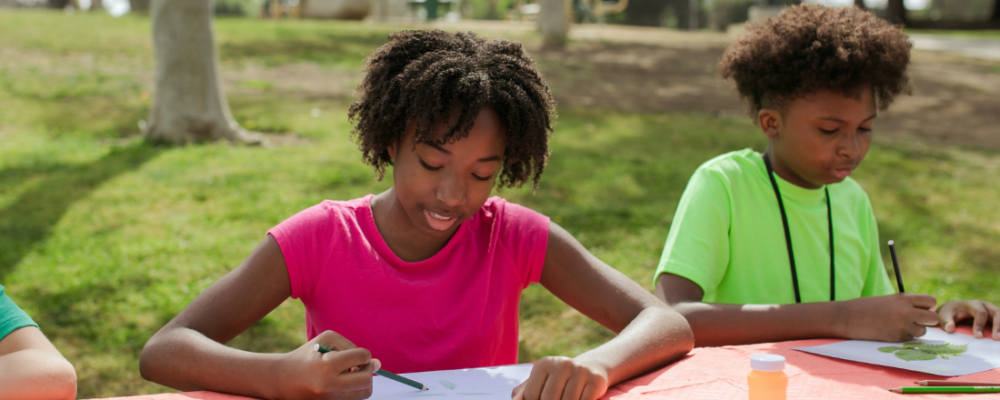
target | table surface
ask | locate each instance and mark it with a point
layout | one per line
(719, 373)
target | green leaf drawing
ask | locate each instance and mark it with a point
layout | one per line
(920, 351)
(447, 384)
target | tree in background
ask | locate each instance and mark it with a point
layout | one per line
(189, 104)
(553, 22)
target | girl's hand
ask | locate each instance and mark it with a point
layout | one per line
(980, 311)
(894, 318)
(342, 374)
(563, 378)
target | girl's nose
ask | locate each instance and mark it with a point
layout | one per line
(451, 192)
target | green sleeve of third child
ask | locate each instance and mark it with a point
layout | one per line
(12, 317)
(697, 246)
(877, 281)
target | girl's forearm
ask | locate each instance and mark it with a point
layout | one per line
(186, 360)
(35, 374)
(654, 338)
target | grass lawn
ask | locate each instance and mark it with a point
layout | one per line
(104, 238)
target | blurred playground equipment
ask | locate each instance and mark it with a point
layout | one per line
(577, 10)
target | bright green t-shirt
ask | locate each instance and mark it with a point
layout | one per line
(728, 238)
(12, 317)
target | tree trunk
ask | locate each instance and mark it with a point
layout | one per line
(96, 5)
(189, 105)
(897, 11)
(996, 12)
(553, 23)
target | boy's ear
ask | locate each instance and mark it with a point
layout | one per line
(769, 121)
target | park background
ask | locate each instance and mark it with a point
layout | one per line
(105, 237)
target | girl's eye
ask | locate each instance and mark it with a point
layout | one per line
(482, 178)
(863, 129)
(428, 166)
(828, 132)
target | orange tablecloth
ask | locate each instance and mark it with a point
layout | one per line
(719, 373)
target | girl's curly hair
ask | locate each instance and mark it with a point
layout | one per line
(419, 78)
(810, 47)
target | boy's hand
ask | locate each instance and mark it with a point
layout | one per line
(980, 311)
(563, 378)
(894, 318)
(343, 374)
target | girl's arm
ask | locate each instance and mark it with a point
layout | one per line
(188, 353)
(31, 368)
(892, 318)
(650, 334)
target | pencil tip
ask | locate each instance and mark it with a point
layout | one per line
(424, 388)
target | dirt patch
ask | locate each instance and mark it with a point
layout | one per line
(954, 100)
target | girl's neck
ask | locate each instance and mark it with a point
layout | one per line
(785, 172)
(398, 231)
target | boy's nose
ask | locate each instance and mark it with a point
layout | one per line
(849, 147)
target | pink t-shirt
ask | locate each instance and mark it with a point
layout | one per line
(457, 309)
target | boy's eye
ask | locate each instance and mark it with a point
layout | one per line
(828, 132)
(428, 166)
(863, 129)
(482, 178)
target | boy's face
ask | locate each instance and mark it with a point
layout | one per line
(439, 187)
(819, 139)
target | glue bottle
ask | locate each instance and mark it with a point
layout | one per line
(767, 380)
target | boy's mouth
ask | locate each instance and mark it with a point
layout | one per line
(842, 173)
(439, 222)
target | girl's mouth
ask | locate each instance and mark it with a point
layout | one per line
(439, 222)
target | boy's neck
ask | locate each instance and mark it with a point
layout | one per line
(785, 172)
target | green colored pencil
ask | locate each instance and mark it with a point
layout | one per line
(946, 389)
(382, 372)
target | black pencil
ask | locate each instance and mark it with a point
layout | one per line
(895, 265)
(382, 372)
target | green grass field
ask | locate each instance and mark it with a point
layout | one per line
(104, 238)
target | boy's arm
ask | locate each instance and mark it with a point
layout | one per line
(31, 368)
(650, 334)
(188, 353)
(892, 318)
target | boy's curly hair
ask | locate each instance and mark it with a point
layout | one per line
(810, 47)
(422, 77)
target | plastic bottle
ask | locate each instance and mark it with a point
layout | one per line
(767, 380)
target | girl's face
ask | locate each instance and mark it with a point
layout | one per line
(819, 139)
(440, 186)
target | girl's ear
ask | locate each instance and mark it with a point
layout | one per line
(769, 121)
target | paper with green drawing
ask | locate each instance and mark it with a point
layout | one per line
(495, 383)
(937, 353)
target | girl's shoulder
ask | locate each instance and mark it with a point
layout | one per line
(510, 221)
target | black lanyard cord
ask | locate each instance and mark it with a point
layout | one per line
(788, 235)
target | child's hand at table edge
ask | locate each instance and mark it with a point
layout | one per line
(980, 311)
(343, 374)
(563, 378)
(893, 318)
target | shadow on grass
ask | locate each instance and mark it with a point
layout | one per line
(30, 219)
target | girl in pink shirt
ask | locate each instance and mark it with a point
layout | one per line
(428, 274)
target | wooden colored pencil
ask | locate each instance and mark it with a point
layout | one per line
(956, 383)
(382, 372)
(946, 389)
(895, 265)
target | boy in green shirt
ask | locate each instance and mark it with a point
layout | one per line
(30, 367)
(784, 245)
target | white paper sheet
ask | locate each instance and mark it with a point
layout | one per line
(979, 355)
(495, 383)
